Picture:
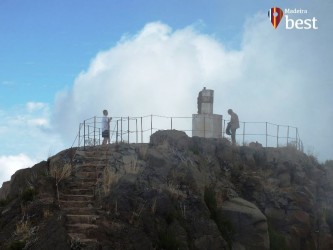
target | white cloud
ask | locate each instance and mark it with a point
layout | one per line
(35, 106)
(28, 133)
(155, 71)
(9, 164)
(39, 122)
(275, 76)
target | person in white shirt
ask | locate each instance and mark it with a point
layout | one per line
(106, 128)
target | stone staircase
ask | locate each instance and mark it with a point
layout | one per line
(78, 199)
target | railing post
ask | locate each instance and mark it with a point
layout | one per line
(151, 125)
(287, 135)
(136, 130)
(266, 134)
(128, 131)
(277, 136)
(79, 135)
(171, 123)
(117, 132)
(244, 134)
(84, 135)
(121, 129)
(95, 131)
(88, 133)
(99, 136)
(297, 139)
(141, 131)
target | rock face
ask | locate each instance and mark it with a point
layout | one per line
(250, 224)
(174, 193)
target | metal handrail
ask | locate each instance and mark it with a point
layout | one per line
(138, 129)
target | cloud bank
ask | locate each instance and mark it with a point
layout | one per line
(27, 136)
(11, 163)
(278, 76)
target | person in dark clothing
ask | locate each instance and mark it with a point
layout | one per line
(232, 126)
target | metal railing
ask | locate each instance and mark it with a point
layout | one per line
(139, 129)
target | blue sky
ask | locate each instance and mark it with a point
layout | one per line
(50, 52)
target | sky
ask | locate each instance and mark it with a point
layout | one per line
(65, 61)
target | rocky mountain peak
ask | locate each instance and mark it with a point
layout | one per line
(176, 192)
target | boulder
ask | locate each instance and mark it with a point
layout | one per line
(249, 223)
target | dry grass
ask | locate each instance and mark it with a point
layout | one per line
(25, 231)
(60, 172)
(143, 152)
(132, 167)
(174, 191)
(47, 213)
(109, 178)
(136, 214)
(32, 180)
(153, 206)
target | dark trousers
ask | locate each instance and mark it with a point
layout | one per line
(233, 136)
(232, 132)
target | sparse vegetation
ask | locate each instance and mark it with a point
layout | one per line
(276, 240)
(4, 202)
(153, 206)
(76, 244)
(32, 179)
(25, 234)
(23, 229)
(59, 173)
(16, 245)
(223, 224)
(143, 150)
(132, 167)
(329, 219)
(137, 213)
(174, 191)
(47, 213)
(28, 195)
(195, 149)
(260, 158)
(109, 178)
(168, 241)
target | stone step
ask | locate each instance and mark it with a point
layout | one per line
(84, 168)
(82, 218)
(90, 244)
(75, 204)
(86, 174)
(79, 191)
(100, 162)
(75, 197)
(79, 210)
(80, 179)
(82, 183)
(93, 164)
(86, 153)
(77, 236)
(82, 238)
(91, 155)
(80, 227)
